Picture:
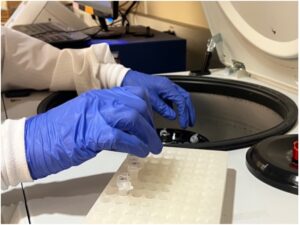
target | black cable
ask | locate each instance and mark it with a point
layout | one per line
(125, 3)
(110, 25)
(124, 16)
(116, 21)
(26, 205)
(96, 32)
(136, 6)
(130, 7)
(123, 19)
(4, 107)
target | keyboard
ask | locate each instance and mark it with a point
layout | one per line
(52, 33)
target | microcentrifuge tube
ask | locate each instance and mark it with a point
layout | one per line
(134, 167)
(124, 184)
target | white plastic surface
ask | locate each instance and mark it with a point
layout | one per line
(265, 58)
(272, 46)
(30, 12)
(12, 206)
(177, 186)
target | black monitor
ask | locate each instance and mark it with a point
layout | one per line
(102, 10)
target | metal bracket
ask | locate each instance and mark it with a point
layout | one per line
(238, 68)
(213, 41)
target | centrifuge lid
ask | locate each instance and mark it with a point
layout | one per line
(261, 35)
(274, 162)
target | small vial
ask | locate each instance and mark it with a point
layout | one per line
(134, 159)
(124, 184)
(134, 167)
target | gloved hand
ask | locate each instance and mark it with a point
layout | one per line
(160, 89)
(118, 119)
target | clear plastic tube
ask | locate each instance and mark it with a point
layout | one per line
(134, 166)
(124, 184)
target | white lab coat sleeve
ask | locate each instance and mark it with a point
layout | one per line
(14, 167)
(30, 63)
(27, 62)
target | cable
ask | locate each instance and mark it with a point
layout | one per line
(110, 25)
(124, 15)
(25, 203)
(96, 32)
(136, 7)
(125, 3)
(116, 21)
(130, 7)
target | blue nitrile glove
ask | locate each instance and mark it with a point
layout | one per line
(160, 89)
(118, 119)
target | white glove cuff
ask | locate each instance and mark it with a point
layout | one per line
(112, 74)
(14, 168)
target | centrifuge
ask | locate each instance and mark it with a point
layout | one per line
(248, 110)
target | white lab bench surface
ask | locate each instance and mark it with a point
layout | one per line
(13, 208)
(67, 197)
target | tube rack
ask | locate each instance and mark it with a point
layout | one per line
(178, 186)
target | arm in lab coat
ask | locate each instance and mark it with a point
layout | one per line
(30, 63)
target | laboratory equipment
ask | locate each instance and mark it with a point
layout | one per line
(159, 54)
(174, 187)
(228, 109)
(31, 12)
(275, 162)
(179, 136)
(53, 33)
(257, 92)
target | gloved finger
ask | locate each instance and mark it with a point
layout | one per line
(132, 122)
(133, 97)
(189, 104)
(163, 109)
(141, 107)
(140, 92)
(173, 95)
(128, 143)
